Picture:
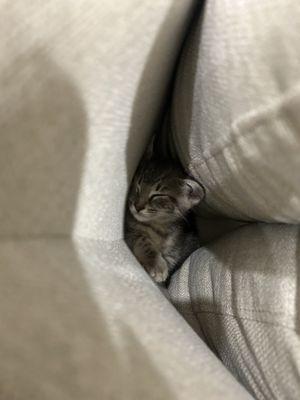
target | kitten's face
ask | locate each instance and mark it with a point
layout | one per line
(161, 193)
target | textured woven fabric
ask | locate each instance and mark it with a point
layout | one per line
(244, 291)
(81, 83)
(236, 108)
(82, 320)
(235, 126)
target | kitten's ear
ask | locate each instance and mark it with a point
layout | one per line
(193, 192)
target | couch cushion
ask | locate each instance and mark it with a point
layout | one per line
(82, 320)
(244, 291)
(81, 83)
(235, 117)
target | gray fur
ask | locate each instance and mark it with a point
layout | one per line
(158, 227)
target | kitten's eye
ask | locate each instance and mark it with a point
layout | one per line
(155, 196)
(158, 196)
(162, 202)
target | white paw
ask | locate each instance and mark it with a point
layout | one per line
(160, 271)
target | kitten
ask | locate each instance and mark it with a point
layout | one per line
(158, 225)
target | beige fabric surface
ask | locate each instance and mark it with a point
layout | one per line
(82, 320)
(244, 291)
(81, 83)
(236, 108)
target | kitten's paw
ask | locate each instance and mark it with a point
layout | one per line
(160, 271)
(159, 276)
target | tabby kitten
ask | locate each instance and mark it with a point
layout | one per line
(158, 225)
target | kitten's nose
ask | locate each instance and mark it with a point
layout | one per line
(138, 206)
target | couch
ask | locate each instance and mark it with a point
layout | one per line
(82, 87)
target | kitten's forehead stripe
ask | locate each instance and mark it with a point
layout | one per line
(140, 179)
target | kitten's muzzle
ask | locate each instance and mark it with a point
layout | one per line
(138, 215)
(133, 209)
(138, 206)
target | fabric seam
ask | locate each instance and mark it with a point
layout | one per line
(253, 310)
(271, 323)
(255, 116)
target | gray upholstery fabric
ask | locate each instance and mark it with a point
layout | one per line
(235, 126)
(235, 114)
(81, 84)
(244, 291)
(82, 320)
